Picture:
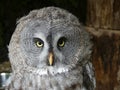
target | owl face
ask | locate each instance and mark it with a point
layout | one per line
(54, 46)
(50, 50)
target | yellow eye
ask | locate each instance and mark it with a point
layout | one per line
(39, 44)
(61, 42)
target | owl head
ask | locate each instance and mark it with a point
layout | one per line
(49, 41)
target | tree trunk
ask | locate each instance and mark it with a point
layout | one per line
(103, 14)
(103, 22)
(106, 58)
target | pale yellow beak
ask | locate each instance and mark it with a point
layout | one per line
(51, 59)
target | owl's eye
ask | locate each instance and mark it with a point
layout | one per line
(61, 42)
(38, 42)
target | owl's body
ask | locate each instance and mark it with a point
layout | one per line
(50, 50)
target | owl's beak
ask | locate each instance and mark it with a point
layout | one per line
(51, 58)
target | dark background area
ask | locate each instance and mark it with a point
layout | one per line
(12, 10)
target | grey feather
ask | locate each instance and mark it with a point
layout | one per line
(58, 32)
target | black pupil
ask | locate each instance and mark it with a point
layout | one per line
(61, 41)
(38, 40)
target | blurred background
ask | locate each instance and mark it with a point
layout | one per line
(100, 17)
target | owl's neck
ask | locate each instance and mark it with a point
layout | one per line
(47, 81)
(48, 70)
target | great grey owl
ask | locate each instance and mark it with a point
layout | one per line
(50, 50)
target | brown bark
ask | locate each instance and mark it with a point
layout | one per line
(106, 58)
(103, 14)
(103, 21)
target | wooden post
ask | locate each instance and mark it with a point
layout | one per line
(103, 22)
(103, 14)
